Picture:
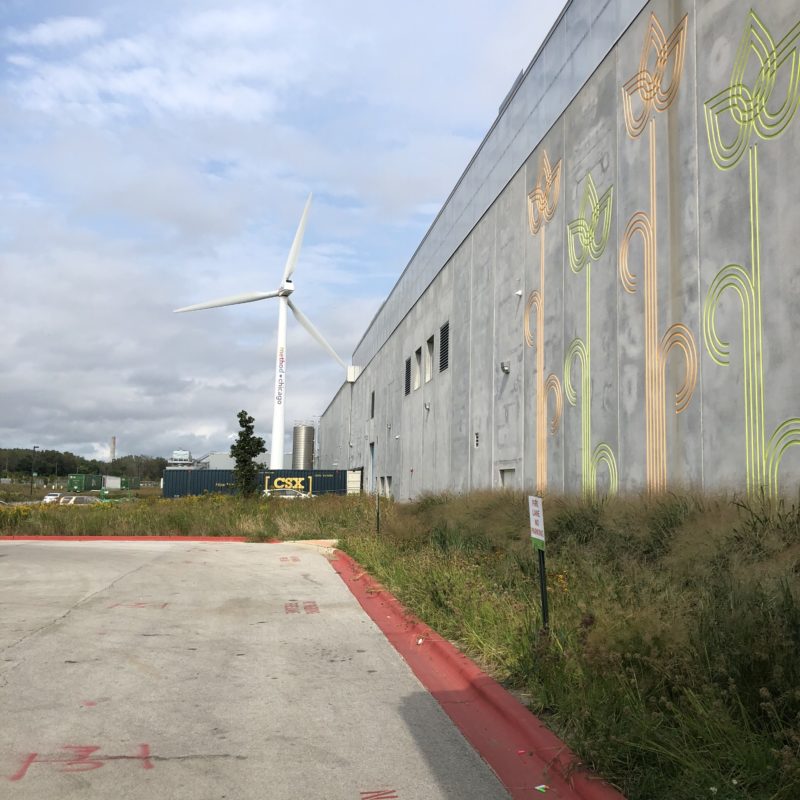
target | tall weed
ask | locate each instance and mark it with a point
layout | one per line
(671, 662)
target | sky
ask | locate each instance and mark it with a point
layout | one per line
(158, 153)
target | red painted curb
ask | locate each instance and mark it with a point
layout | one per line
(522, 752)
(124, 539)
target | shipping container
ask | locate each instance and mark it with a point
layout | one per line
(84, 483)
(130, 483)
(112, 482)
(309, 481)
(182, 482)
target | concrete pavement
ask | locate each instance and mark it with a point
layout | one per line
(204, 670)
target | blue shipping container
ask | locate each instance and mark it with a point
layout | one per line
(182, 482)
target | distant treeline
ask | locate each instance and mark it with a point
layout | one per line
(17, 462)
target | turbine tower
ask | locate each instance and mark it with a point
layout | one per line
(283, 293)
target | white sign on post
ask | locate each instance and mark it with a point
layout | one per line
(537, 521)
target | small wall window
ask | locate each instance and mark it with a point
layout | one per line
(507, 478)
(429, 359)
(408, 376)
(418, 368)
(444, 347)
(372, 405)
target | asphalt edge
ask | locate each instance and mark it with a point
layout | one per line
(518, 747)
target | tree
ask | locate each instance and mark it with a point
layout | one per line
(244, 451)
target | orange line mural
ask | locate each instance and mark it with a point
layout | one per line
(542, 204)
(656, 90)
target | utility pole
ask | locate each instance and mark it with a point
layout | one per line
(33, 466)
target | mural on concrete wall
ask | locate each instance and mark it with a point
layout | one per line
(677, 160)
(586, 242)
(735, 119)
(542, 203)
(649, 87)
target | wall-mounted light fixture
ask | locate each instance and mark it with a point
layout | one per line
(427, 406)
(397, 436)
(505, 366)
(518, 293)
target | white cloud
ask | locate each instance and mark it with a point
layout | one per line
(230, 23)
(164, 158)
(58, 31)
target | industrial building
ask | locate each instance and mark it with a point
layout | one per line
(607, 299)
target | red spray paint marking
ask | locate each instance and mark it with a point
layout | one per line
(23, 770)
(381, 794)
(139, 605)
(79, 760)
(291, 608)
(310, 607)
(89, 703)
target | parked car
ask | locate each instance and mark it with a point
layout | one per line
(287, 494)
(77, 500)
(51, 497)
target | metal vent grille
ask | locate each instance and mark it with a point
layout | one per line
(408, 376)
(444, 347)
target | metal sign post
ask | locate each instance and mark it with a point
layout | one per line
(537, 539)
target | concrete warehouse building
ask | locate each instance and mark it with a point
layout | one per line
(608, 299)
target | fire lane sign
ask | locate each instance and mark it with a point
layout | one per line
(537, 521)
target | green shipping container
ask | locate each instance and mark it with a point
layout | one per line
(84, 483)
(75, 483)
(130, 483)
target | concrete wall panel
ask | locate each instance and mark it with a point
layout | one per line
(481, 387)
(460, 370)
(673, 364)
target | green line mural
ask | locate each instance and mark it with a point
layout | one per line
(586, 242)
(733, 118)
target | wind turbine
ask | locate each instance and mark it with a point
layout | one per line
(283, 293)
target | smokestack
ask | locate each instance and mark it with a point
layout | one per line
(113, 448)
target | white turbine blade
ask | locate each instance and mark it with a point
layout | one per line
(306, 323)
(288, 270)
(251, 297)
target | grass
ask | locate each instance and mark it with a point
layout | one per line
(672, 665)
(672, 661)
(256, 519)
